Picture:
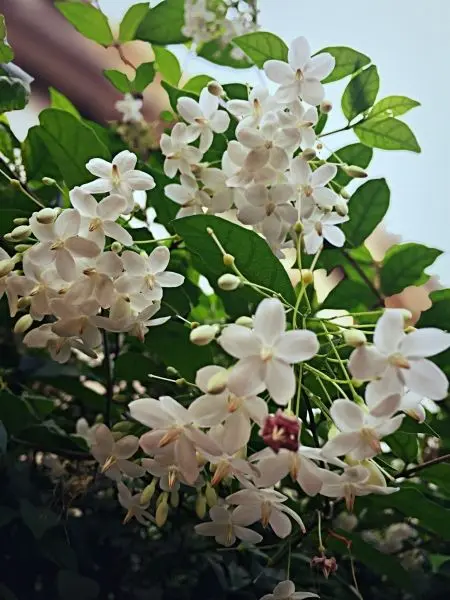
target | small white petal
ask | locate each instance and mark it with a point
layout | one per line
(424, 342)
(347, 415)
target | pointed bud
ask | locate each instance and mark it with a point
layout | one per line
(24, 302)
(200, 506)
(172, 371)
(228, 282)
(174, 498)
(180, 382)
(307, 276)
(228, 260)
(23, 324)
(355, 172)
(6, 266)
(354, 337)
(245, 322)
(22, 247)
(18, 233)
(308, 154)
(218, 383)
(124, 426)
(203, 335)
(326, 106)
(148, 492)
(162, 512)
(48, 181)
(116, 247)
(46, 216)
(298, 227)
(20, 221)
(341, 208)
(345, 194)
(328, 566)
(210, 495)
(215, 89)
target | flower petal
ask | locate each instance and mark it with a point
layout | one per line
(347, 415)
(342, 444)
(126, 446)
(320, 66)
(65, 265)
(247, 535)
(280, 523)
(366, 362)
(278, 71)
(150, 412)
(269, 321)
(296, 346)
(188, 109)
(83, 202)
(124, 161)
(117, 232)
(299, 53)
(280, 381)
(239, 341)
(389, 331)
(427, 379)
(158, 259)
(424, 342)
(99, 167)
(111, 207)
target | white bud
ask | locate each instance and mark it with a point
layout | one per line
(23, 324)
(245, 322)
(345, 194)
(148, 492)
(46, 216)
(228, 260)
(116, 247)
(6, 266)
(162, 512)
(341, 208)
(308, 154)
(215, 89)
(24, 302)
(407, 314)
(203, 335)
(307, 276)
(20, 221)
(19, 233)
(228, 282)
(48, 181)
(200, 506)
(326, 106)
(217, 383)
(355, 172)
(22, 247)
(354, 337)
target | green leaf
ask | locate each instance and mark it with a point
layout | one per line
(6, 53)
(7, 142)
(404, 265)
(36, 159)
(197, 83)
(348, 61)
(404, 445)
(72, 586)
(236, 91)
(163, 24)
(253, 256)
(393, 106)
(131, 21)
(354, 154)
(366, 209)
(360, 93)
(14, 94)
(6, 515)
(350, 295)
(260, 46)
(145, 74)
(165, 208)
(224, 56)
(37, 519)
(70, 143)
(320, 126)
(438, 314)
(58, 100)
(88, 20)
(3, 439)
(387, 134)
(174, 93)
(439, 475)
(15, 413)
(167, 64)
(119, 80)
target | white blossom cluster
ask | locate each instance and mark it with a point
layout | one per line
(264, 173)
(69, 277)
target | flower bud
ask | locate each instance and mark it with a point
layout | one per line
(203, 335)
(354, 337)
(281, 431)
(341, 208)
(116, 247)
(124, 426)
(48, 181)
(228, 282)
(200, 506)
(24, 302)
(307, 276)
(217, 383)
(345, 194)
(148, 492)
(298, 227)
(215, 89)
(228, 260)
(172, 371)
(328, 566)
(6, 266)
(174, 498)
(308, 154)
(23, 324)
(15, 183)
(20, 221)
(162, 512)
(46, 216)
(210, 495)
(18, 233)
(326, 106)
(355, 172)
(22, 247)
(410, 329)
(245, 322)
(407, 314)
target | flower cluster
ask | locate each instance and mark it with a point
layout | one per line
(74, 282)
(268, 173)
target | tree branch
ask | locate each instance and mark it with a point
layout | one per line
(425, 465)
(363, 276)
(107, 365)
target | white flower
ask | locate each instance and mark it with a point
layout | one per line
(226, 526)
(303, 120)
(165, 467)
(85, 431)
(76, 321)
(113, 456)
(411, 404)
(285, 590)
(60, 243)
(147, 275)
(173, 431)
(267, 351)
(197, 20)
(355, 481)
(132, 503)
(301, 76)
(124, 318)
(98, 219)
(204, 117)
(179, 155)
(237, 406)
(361, 430)
(251, 111)
(130, 107)
(188, 194)
(215, 185)
(60, 348)
(322, 226)
(265, 505)
(311, 186)
(118, 176)
(397, 359)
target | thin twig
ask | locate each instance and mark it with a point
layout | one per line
(363, 276)
(425, 465)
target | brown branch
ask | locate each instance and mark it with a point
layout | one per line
(425, 465)
(123, 58)
(363, 276)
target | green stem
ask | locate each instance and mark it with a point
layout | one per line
(107, 365)
(334, 382)
(363, 276)
(19, 185)
(167, 239)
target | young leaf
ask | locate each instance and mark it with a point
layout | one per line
(131, 21)
(404, 265)
(404, 445)
(14, 94)
(145, 74)
(439, 313)
(174, 93)
(58, 100)
(393, 106)
(167, 64)
(348, 61)
(387, 134)
(361, 92)
(88, 20)
(119, 80)
(197, 83)
(6, 53)
(236, 91)
(354, 154)
(260, 46)
(163, 24)
(351, 294)
(224, 56)
(366, 207)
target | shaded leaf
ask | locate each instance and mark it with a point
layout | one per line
(260, 46)
(6, 53)
(225, 56)
(131, 21)
(366, 208)
(6, 515)
(15, 413)
(350, 295)
(37, 519)
(404, 265)
(163, 24)
(361, 92)
(88, 20)
(3, 440)
(387, 134)
(119, 80)
(145, 74)
(14, 94)
(72, 586)
(197, 83)
(439, 313)
(167, 64)
(348, 61)
(403, 445)
(353, 154)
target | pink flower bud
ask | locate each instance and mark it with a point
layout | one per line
(281, 431)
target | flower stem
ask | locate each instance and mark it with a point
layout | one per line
(19, 185)
(108, 368)
(425, 465)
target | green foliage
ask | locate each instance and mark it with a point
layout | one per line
(366, 209)
(167, 65)
(119, 80)
(162, 24)
(393, 106)
(58, 100)
(360, 93)
(439, 313)
(88, 20)
(221, 55)
(261, 46)
(353, 154)
(404, 265)
(6, 53)
(144, 75)
(387, 134)
(348, 61)
(72, 586)
(197, 83)
(14, 94)
(131, 21)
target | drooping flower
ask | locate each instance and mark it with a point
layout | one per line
(301, 119)
(285, 590)
(301, 76)
(60, 348)
(322, 226)
(225, 526)
(123, 318)
(310, 186)
(281, 431)
(251, 111)
(113, 456)
(76, 321)
(130, 108)
(397, 359)
(191, 198)
(132, 504)
(267, 351)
